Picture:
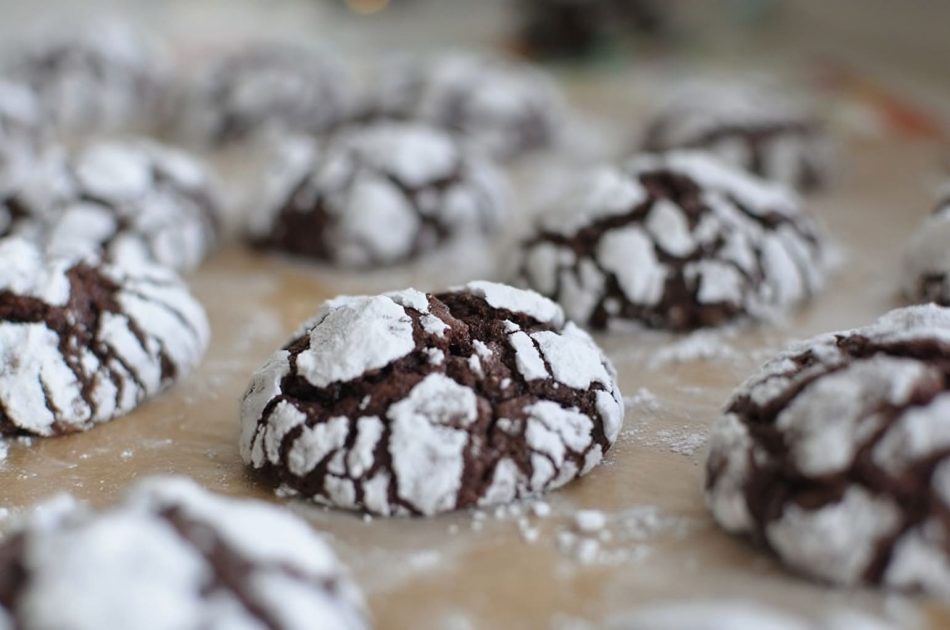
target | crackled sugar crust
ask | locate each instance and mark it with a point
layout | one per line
(82, 344)
(173, 556)
(836, 455)
(413, 404)
(123, 201)
(752, 127)
(505, 108)
(267, 87)
(926, 274)
(99, 76)
(678, 241)
(376, 195)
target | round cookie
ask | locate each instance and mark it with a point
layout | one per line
(375, 195)
(503, 107)
(264, 88)
(172, 556)
(836, 455)
(926, 273)
(81, 343)
(129, 202)
(22, 131)
(676, 241)
(413, 404)
(761, 130)
(100, 77)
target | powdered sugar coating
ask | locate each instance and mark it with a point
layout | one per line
(81, 344)
(265, 88)
(674, 241)
(504, 107)
(129, 201)
(100, 76)
(22, 131)
(375, 195)
(752, 126)
(174, 556)
(926, 272)
(371, 408)
(831, 454)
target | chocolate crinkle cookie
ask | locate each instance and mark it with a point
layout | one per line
(504, 107)
(755, 127)
(375, 195)
(926, 274)
(677, 241)
(264, 88)
(101, 76)
(22, 133)
(83, 343)
(172, 556)
(128, 202)
(836, 455)
(413, 404)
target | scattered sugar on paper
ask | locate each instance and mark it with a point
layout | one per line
(700, 345)
(644, 399)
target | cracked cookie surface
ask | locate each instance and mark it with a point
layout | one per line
(836, 455)
(376, 195)
(129, 202)
(262, 89)
(172, 556)
(926, 273)
(754, 128)
(412, 404)
(81, 343)
(677, 241)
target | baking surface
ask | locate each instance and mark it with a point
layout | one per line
(511, 567)
(514, 567)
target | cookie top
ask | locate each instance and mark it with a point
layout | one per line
(22, 131)
(504, 107)
(375, 195)
(82, 343)
(100, 77)
(123, 201)
(172, 556)
(263, 88)
(677, 241)
(755, 127)
(926, 272)
(836, 455)
(412, 404)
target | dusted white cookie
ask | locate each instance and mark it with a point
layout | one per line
(83, 343)
(753, 126)
(172, 556)
(412, 404)
(22, 131)
(95, 77)
(264, 88)
(129, 202)
(836, 455)
(375, 195)
(926, 272)
(674, 241)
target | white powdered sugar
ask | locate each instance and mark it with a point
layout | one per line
(402, 412)
(167, 557)
(81, 344)
(21, 133)
(872, 400)
(737, 246)
(376, 194)
(926, 266)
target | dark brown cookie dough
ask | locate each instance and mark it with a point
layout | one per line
(836, 455)
(753, 127)
(414, 404)
(677, 241)
(375, 195)
(926, 273)
(173, 556)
